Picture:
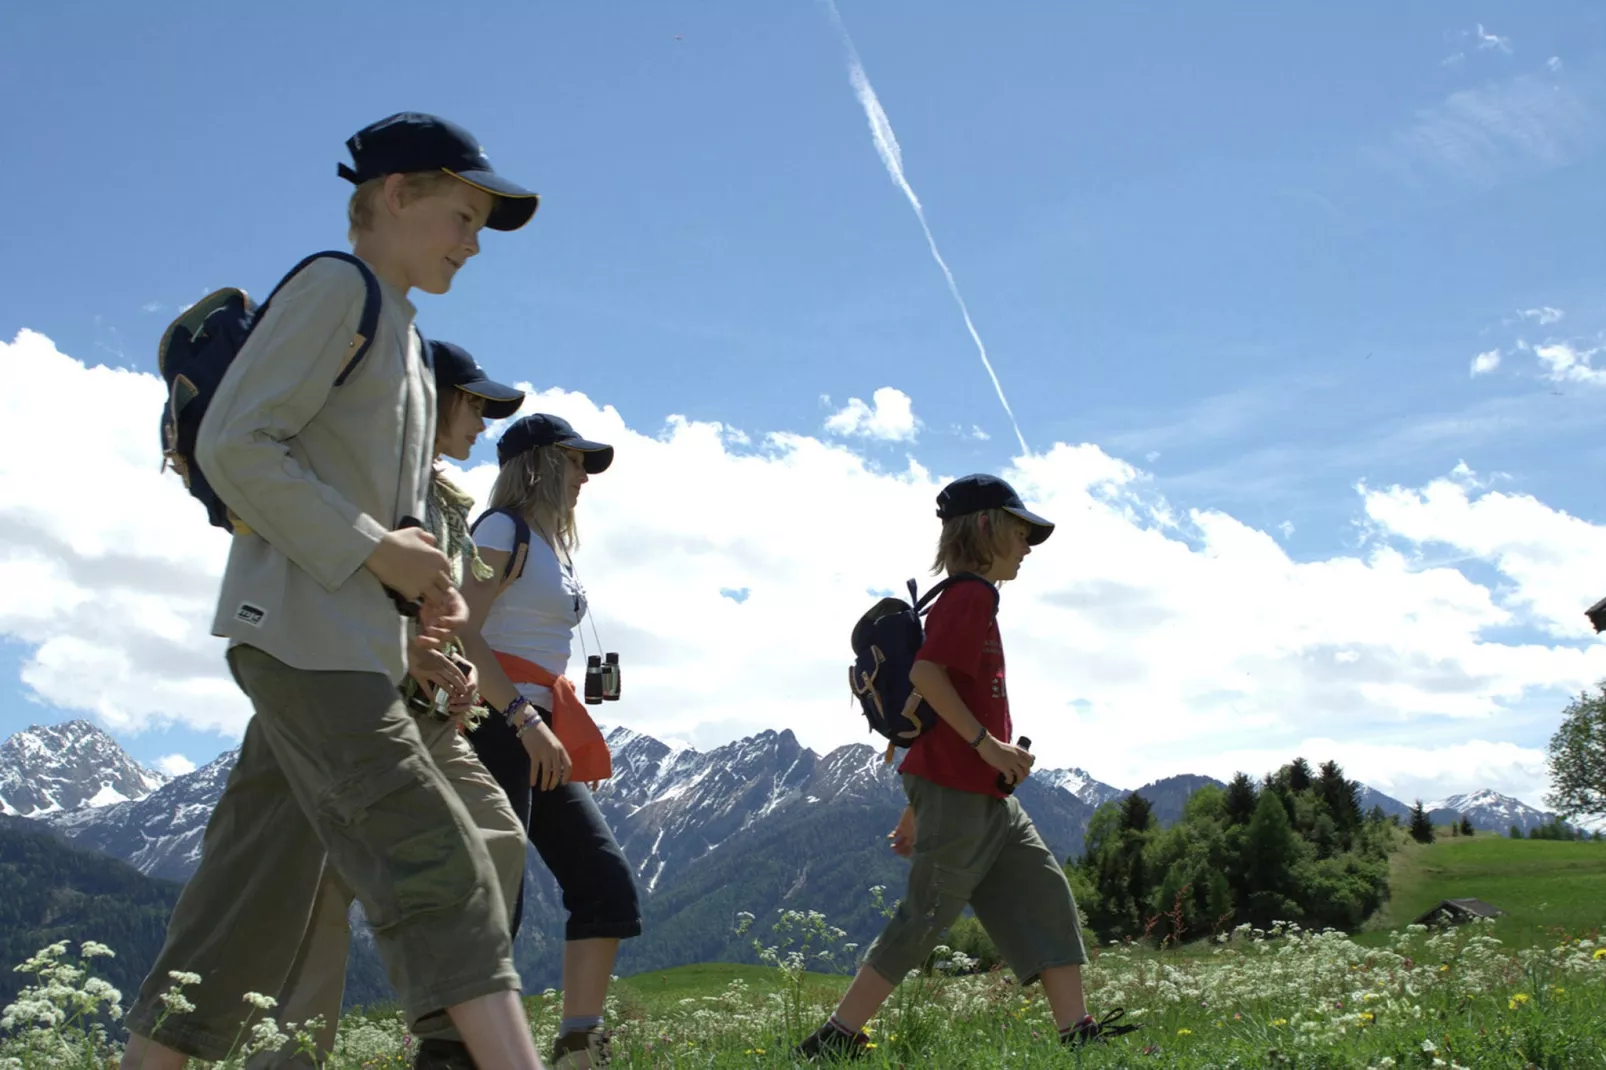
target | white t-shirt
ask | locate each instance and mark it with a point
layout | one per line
(535, 617)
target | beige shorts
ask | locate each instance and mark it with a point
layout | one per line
(334, 768)
(983, 852)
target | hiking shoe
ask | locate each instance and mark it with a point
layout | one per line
(581, 1049)
(829, 1042)
(442, 1055)
(1088, 1031)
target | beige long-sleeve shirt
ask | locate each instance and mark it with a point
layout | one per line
(319, 472)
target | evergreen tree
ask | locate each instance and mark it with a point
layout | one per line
(1241, 799)
(1515, 833)
(1269, 856)
(1299, 775)
(1137, 813)
(1341, 797)
(1421, 824)
(1466, 825)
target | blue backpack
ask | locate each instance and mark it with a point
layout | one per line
(885, 642)
(195, 354)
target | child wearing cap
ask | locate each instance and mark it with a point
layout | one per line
(970, 841)
(540, 743)
(441, 692)
(333, 771)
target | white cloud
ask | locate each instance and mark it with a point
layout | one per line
(1565, 363)
(1546, 315)
(1514, 127)
(891, 417)
(1287, 529)
(1490, 41)
(1484, 363)
(1554, 64)
(175, 765)
(978, 434)
(1144, 639)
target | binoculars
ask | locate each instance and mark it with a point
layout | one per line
(602, 679)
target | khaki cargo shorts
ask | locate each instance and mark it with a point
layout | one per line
(983, 852)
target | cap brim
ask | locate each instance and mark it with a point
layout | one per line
(1041, 529)
(501, 400)
(597, 456)
(514, 204)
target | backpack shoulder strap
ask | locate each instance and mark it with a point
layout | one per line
(367, 325)
(521, 542)
(924, 605)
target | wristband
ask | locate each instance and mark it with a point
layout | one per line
(519, 712)
(979, 737)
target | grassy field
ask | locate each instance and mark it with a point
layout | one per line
(1515, 994)
(1545, 886)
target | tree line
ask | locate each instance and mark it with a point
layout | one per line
(1294, 847)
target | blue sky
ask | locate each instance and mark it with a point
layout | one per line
(1251, 252)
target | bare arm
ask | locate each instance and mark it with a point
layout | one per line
(549, 759)
(931, 680)
(480, 595)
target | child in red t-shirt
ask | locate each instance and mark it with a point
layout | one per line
(970, 841)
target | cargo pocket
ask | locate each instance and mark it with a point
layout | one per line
(398, 843)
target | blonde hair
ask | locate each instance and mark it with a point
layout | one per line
(535, 485)
(966, 545)
(361, 211)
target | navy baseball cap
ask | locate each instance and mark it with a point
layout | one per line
(973, 494)
(411, 141)
(542, 429)
(456, 370)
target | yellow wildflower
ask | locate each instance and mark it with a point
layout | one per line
(1518, 1000)
(1279, 1021)
(1184, 1032)
(1600, 953)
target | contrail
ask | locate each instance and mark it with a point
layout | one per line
(886, 143)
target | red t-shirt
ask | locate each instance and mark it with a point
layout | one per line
(962, 637)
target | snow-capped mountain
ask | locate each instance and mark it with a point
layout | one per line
(1489, 811)
(159, 834)
(1081, 784)
(667, 805)
(63, 767)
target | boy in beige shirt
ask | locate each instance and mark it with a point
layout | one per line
(325, 478)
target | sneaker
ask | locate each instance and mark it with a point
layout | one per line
(829, 1042)
(442, 1055)
(1089, 1031)
(582, 1049)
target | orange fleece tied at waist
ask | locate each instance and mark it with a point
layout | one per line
(588, 751)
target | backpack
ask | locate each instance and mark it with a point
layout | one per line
(521, 542)
(885, 642)
(196, 351)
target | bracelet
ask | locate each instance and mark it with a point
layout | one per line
(521, 715)
(513, 707)
(979, 737)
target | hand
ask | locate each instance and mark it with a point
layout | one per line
(442, 616)
(435, 671)
(1014, 762)
(408, 563)
(903, 837)
(549, 760)
(471, 676)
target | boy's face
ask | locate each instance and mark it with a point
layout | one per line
(440, 231)
(1010, 549)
